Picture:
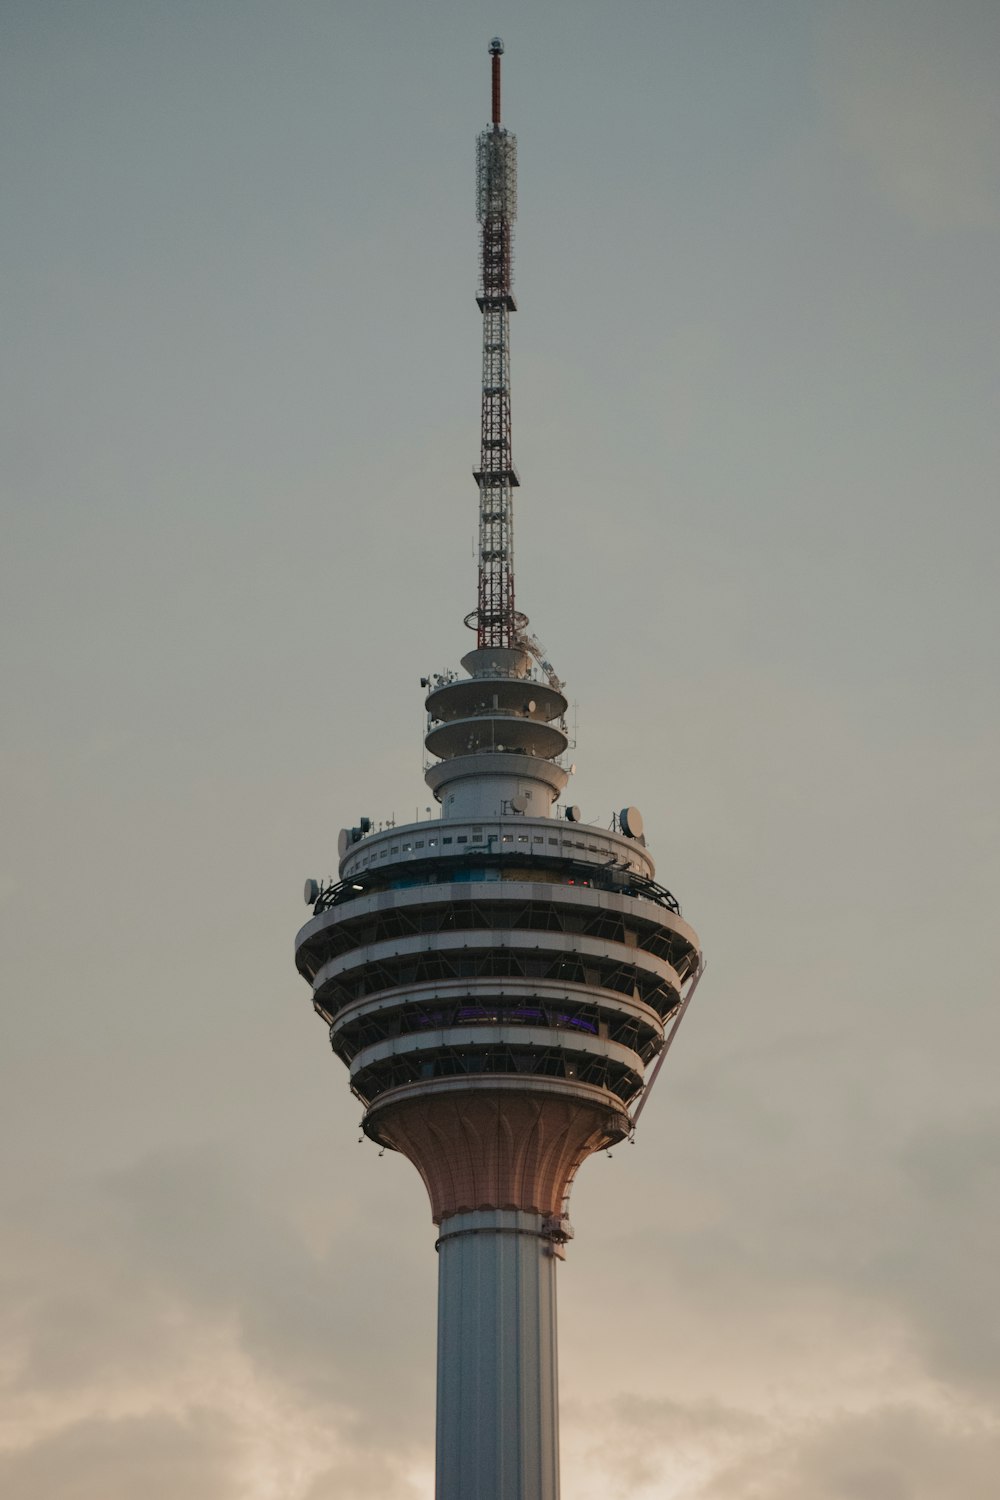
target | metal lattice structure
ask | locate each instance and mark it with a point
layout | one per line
(496, 620)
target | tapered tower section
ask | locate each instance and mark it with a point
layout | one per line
(498, 979)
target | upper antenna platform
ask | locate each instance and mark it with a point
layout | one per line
(496, 46)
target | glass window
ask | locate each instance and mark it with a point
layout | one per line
(447, 839)
(463, 838)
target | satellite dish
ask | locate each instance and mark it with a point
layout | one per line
(631, 821)
(343, 842)
(311, 892)
(572, 769)
(530, 706)
(573, 814)
(519, 803)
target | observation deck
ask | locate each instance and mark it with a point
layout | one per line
(527, 976)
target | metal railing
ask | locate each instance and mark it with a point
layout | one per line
(577, 872)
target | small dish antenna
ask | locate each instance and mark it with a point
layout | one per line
(573, 814)
(311, 892)
(343, 842)
(630, 819)
(519, 803)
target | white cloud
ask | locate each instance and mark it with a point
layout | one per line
(893, 1453)
(159, 1457)
(171, 1307)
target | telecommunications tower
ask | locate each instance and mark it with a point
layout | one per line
(502, 980)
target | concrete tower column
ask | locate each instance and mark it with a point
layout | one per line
(497, 1389)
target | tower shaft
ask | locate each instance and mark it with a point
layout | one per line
(497, 1390)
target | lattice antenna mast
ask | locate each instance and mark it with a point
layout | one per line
(496, 620)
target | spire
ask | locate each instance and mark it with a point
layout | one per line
(496, 49)
(495, 619)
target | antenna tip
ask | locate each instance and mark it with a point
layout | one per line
(496, 46)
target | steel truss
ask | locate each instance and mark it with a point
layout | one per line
(497, 621)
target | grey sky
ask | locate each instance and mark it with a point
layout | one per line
(755, 393)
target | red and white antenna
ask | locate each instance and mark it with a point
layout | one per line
(495, 619)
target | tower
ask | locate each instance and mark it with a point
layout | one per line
(498, 979)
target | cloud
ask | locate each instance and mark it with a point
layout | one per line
(699, 1450)
(635, 1442)
(893, 1453)
(940, 1266)
(831, 1301)
(373, 1475)
(173, 1306)
(912, 89)
(156, 1456)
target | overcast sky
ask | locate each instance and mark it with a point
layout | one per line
(755, 413)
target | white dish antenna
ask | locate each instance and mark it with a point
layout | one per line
(630, 819)
(311, 892)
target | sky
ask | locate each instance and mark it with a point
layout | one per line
(755, 380)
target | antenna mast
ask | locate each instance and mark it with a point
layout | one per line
(495, 619)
